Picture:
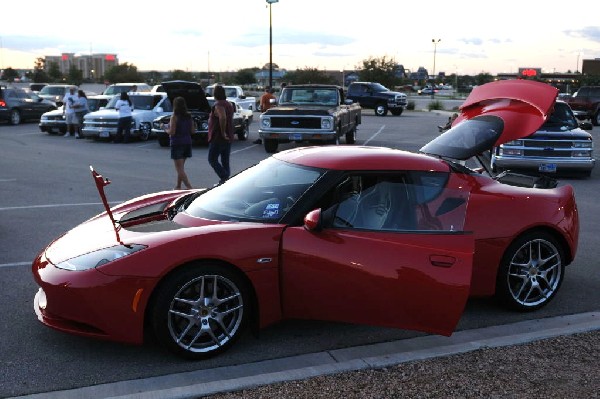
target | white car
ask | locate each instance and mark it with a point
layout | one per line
(147, 106)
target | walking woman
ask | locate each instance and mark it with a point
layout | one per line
(180, 129)
(220, 134)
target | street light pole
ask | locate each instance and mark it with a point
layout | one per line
(435, 42)
(270, 2)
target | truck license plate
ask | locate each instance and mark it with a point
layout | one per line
(104, 134)
(547, 167)
(296, 136)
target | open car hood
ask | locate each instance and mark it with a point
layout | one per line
(493, 114)
(192, 92)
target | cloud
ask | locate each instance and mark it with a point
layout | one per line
(589, 32)
(255, 39)
(473, 40)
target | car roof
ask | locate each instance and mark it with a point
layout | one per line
(361, 158)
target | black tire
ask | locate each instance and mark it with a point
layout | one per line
(200, 311)
(351, 136)
(381, 109)
(397, 111)
(596, 118)
(163, 141)
(145, 131)
(15, 117)
(270, 145)
(531, 272)
(244, 133)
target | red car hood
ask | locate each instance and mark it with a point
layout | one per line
(493, 114)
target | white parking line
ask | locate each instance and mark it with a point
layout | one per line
(244, 149)
(15, 264)
(375, 135)
(11, 208)
(7, 180)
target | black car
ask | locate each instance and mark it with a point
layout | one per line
(18, 105)
(200, 107)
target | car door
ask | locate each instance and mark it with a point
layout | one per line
(413, 273)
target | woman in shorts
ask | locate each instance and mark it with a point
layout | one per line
(180, 130)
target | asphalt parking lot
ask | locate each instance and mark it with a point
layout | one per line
(47, 188)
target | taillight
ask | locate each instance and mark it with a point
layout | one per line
(2, 103)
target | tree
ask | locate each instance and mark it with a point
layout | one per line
(122, 73)
(54, 72)
(483, 78)
(381, 70)
(39, 74)
(179, 74)
(10, 74)
(245, 76)
(75, 75)
(309, 75)
(153, 77)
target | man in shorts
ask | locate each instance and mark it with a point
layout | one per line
(69, 100)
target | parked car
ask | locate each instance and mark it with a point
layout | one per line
(55, 93)
(54, 122)
(377, 97)
(348, 234)
(199, 106)
(18, 105)
(561, 144)
(586, 104)
(118, 88)
(36, 87)
(102, 124)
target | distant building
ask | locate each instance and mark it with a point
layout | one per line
(92, 66)
(591, 67)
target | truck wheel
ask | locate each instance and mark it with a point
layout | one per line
(596, 119)
(397, 111)
(271, 145)
(381, 110)
(244, 132)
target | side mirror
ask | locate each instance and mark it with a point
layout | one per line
(586, 126)
(160, 110)
(312, 220)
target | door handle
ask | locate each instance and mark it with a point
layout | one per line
(442, 260)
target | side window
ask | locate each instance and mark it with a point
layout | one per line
(372, 202)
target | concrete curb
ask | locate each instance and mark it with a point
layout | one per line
(207, 382)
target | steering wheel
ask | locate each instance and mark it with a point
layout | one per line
(236, 204)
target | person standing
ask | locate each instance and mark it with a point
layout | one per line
(220, 134)
(265, 99)
(81, 108)
(180, 129)
(69, 101)
(124, 107)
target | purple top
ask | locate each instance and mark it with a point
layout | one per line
(182, 134)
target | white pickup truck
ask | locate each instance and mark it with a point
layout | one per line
(235, 94)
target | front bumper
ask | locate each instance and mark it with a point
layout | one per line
(297, 135)
(569, 164)
(53, 126)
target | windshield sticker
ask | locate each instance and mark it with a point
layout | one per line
(271, 211)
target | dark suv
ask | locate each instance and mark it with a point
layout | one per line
(586, 104)
(377, 97)
(18, 105)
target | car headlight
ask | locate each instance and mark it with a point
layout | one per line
(99, 257)
(581, 154)
(326, 123)
(510, 151)
(265, 122)
(204, 125)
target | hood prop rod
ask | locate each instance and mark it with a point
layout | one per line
(101, 182)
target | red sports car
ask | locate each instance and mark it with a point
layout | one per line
(353, 234)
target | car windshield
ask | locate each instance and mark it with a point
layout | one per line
(53, 90)
(138, 102)
(262, 193)
(318, 96)
(562, 118)
(110, 90)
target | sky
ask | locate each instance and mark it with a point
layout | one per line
(199, 35)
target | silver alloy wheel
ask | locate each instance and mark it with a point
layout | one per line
(534, 273)
(15, 117)
(205, 314)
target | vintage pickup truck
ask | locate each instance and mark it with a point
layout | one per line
(235, 94)
(310, 113)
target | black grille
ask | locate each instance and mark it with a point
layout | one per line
(296, 123)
